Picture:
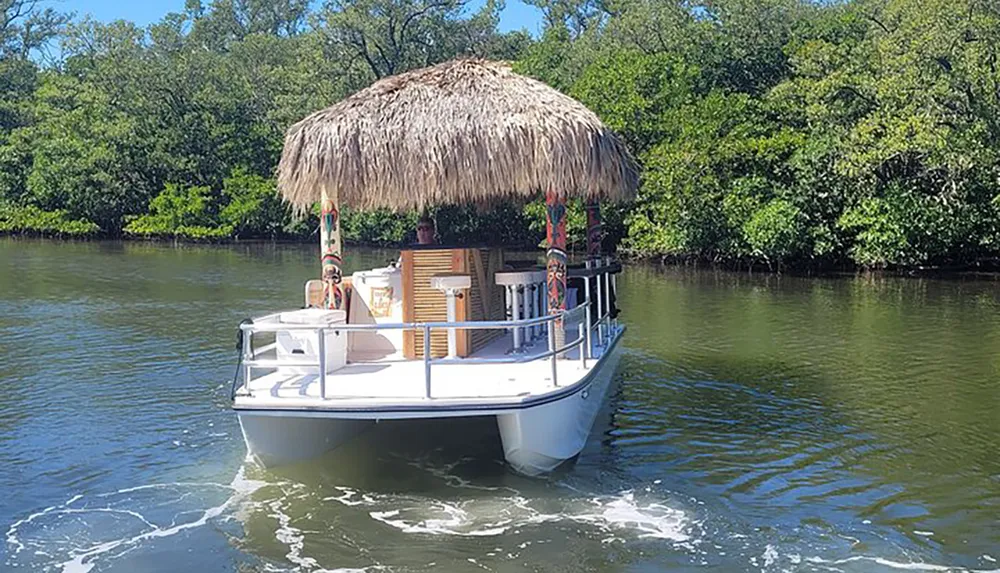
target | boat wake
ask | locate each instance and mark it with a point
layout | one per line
(75, 535)
(613, 516)
(864, 563)
(284, 525)
(482, 510)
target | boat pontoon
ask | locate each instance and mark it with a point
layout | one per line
(447, 331)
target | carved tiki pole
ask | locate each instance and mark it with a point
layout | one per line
(555, 226)
(330, 255)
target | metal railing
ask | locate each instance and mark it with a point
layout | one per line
(583, 342)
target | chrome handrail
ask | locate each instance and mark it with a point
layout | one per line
(485, 324)
(583, 338)
(427, 326)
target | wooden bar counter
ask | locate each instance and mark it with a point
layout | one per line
(422, 303)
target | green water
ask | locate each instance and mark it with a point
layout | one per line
(760, 423)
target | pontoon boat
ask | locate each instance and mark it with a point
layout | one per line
(448, 331)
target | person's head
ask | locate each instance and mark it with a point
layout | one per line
(425, 231)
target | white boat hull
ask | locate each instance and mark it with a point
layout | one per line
(280, 440)
(538, 439)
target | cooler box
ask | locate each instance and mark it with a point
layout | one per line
(303, 345)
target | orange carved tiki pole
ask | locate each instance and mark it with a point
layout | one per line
(555, 226)
(330, 254)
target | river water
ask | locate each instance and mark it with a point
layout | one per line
(760, 423)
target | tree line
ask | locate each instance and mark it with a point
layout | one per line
(785, 132)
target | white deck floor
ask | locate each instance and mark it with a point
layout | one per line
(395, 381)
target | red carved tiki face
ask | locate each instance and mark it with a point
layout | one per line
(556, 280)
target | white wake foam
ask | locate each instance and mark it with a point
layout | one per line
(499, 509)
(620, 515)
(910, 566)
(46, 540)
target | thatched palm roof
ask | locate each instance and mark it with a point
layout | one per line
(466, 131)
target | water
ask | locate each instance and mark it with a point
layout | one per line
(761, 423)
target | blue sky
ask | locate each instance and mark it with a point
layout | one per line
(515, 16)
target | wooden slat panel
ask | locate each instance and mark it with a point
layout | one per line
(421, 303)
(429, 304)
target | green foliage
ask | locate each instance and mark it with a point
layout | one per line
(134, 122)
(555, 58)
(774, 231)
(387, 37)
(456, 225)
(880, 235)
(32, 220)
(253, 207)
(180, 213)
(790, 132)
(635, 94)
(26, 27)
(380, 227)
(502, 224)
(576, 222)
(852, 132)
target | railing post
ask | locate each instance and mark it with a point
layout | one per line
(321, 350)
(607, 293)
(552, 349)
(543, 308)
(509, 301)
(526, 313)
(581, 336)
(247, 355)
(589, 318)
(534, 331)
(614, 291)
(452, 317)
(515, 309)
(427, 362)
(600, 311)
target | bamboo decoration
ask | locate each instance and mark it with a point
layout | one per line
(555, 226)
(330, 254)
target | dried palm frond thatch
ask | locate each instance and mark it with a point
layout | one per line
(463, 132)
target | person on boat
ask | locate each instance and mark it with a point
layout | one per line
(425, 236)
(425, 231)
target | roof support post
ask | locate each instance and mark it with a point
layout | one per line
(594, 230)
(330, 254)
(555, 226)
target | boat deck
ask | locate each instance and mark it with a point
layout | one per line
(394, 381)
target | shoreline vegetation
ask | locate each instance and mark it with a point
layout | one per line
(982, 268)
(782, 135)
